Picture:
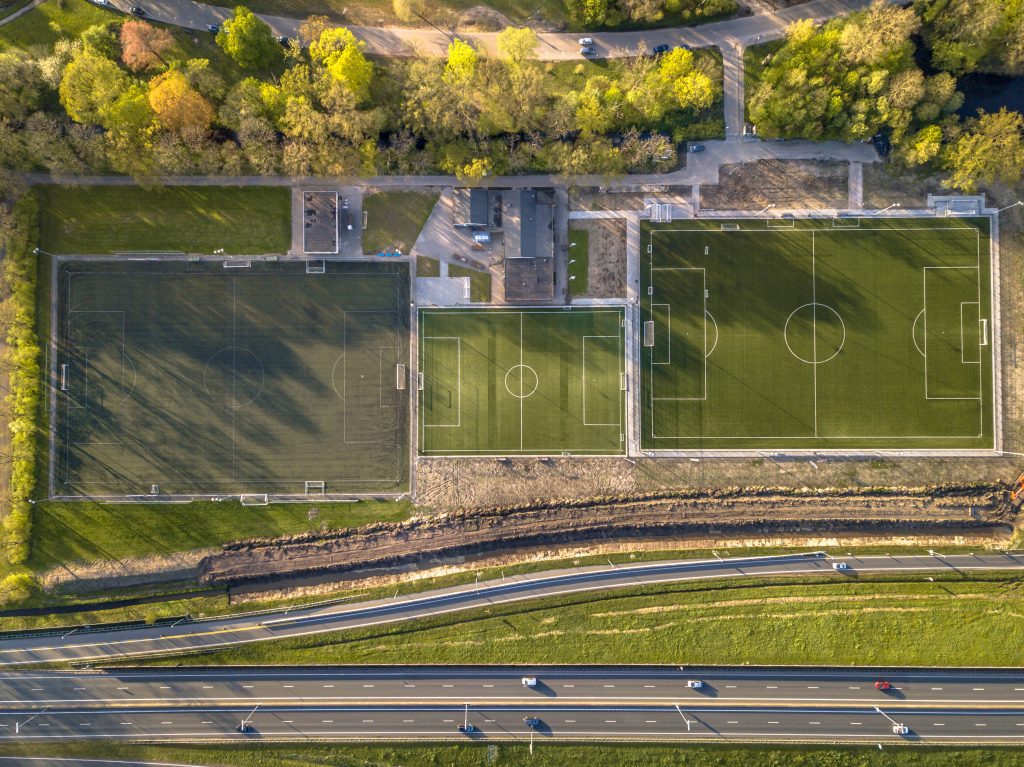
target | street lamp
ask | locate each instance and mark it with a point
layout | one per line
(1014, 205)
(894, 205)
(768, 207)
(37, 251)
(19, 725)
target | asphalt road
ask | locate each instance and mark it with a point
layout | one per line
(570, 703)
(115, 645)
(406, 41)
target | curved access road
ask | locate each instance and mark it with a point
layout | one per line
(406, 41)
(109, 645)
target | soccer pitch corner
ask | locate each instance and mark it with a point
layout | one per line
(545, 381)
(845, 335)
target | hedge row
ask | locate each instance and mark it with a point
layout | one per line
(22, 355)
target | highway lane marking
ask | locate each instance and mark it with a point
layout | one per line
(813, 688)
(978, 689)
(855, 723)
(731, 722)
(741, 568)
(936, 689)
(288, 686)
(854, 688)
(328, 686)
(938, 724)
(370, 685)
(980, 724)
(206, 723)
(207, 686)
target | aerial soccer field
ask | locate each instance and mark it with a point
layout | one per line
(522, 382)
(177, 377)
(842, 334)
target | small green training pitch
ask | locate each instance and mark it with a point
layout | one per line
(827, 334)
(522, 382)
(183, 378)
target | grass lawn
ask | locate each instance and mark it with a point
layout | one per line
(41, 27)
(504, 755)
(479, 282)
(870, 621)
(394, 219)
(427, 267)
(533, 382)
(579, 252)
(242, 220)
(85, 530)
(808, 334)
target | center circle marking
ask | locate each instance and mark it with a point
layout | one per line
(521, 381)
(827, 333)
(233, 377)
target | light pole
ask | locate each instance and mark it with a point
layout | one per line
(37, 251)
(1014, 205)
(688, 722)
(766, 208)
(19, 725)
(880, 212)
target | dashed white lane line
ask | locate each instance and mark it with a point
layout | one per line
(328, 686)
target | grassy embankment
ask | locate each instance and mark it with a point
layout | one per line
(544, 755)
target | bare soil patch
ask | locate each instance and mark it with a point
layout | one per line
(805, 184)
(431, 541)
(81, 577)
(606, 272)
(885, 184)
(613, 199)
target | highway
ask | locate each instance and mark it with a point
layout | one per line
(972, 706)
(111, 645)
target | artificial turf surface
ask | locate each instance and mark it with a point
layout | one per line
(199, 379)
(534, 382)
(817, 334)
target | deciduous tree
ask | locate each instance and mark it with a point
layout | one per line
(990, 149)
(248, 40)
(89, 84)
(143, 45)
(179, 107)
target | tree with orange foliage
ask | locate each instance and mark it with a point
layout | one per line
(178, 106)
(142, 44)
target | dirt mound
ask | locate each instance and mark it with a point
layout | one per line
(428, 541)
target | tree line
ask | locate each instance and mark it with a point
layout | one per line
(121, 98)
(857, 77)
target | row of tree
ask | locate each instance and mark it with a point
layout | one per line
(856, 77)
(121, 98)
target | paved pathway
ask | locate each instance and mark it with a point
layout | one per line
(856, 186)
(401, 41)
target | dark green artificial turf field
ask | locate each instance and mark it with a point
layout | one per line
(534, 382)
(201, 379)
(844, 334)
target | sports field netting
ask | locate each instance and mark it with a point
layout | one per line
(533, 381)
(189, 378)
(819, 334)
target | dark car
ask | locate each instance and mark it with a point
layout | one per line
(243, 727)
(467, 728)
(660, 49)
(213, 28)
(531, 721)
(136, 10)
(283, 40)
(587, 50)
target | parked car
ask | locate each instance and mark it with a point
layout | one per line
(101, 2)
(883, 685)
(136, 10)
(213, 28)
(696, 148)
(695, 684)
(660, 49)
(283, 40)
(531, 721)
(586, 41)
(587, 50)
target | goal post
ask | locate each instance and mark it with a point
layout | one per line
(315, 487)
(254, 499)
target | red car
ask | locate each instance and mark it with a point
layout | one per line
(883, 686)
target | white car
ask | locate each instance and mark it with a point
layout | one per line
(586, 41)
(529, 681)
(900, 729)
(840, 566)
(695, 684)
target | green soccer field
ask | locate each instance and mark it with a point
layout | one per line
(529, 382)
(188, 378)
(845, 334)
